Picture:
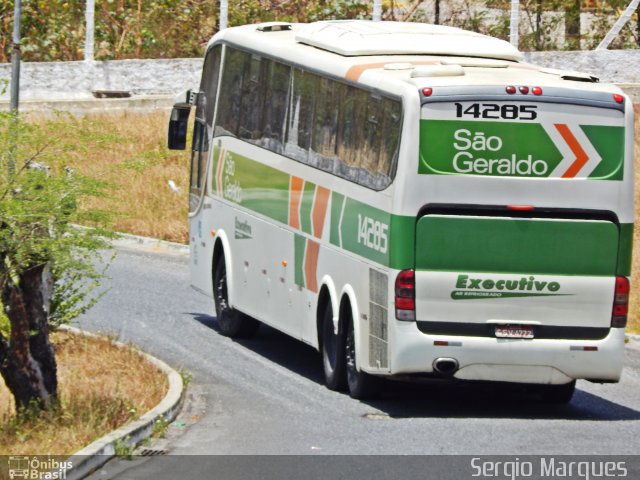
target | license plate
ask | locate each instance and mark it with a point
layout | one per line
(514, 331)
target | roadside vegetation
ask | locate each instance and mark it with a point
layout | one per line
(48, 275)
(55, 30)
(101, 387)
(128, 151)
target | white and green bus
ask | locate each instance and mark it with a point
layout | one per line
(413, 201)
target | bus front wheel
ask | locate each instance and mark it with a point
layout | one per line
(231, 323)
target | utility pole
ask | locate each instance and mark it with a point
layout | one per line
(15, 57)
(89, 17)
(622, 21)
(377, 10)
(15, 90)
(224, 14)
(514, 34)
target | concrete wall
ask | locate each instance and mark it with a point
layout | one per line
(615, 66)
(65, 80)
(76, 80)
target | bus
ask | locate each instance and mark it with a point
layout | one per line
(413, 201)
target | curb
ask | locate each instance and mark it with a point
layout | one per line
(96, 454)
(85, 105)
(148, 244)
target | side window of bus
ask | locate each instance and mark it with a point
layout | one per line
(326, 123)
(276, 94)
(391, 124)
(322, 122)
(300, 115)
(209, 82)
(353, 108)
(371, 140)
(229, 106)
(252, 99)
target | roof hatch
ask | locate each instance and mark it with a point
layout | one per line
(274, 27)
(362, 37)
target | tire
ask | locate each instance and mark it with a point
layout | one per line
(557, 394)
(361, 385)
(231, 323)
(333, 360)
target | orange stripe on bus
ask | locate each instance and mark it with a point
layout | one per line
(295, 195)
(319, 210)
(581, 157)
(311, 265)
(354, 73)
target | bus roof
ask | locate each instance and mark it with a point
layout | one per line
(361, 37)
(382, 54)
(352, 38)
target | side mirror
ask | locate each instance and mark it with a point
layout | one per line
(178, 123)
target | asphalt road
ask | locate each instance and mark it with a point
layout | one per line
(265, 396)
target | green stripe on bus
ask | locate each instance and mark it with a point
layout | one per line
(609, 142)
(626, 249)
(349, 220)
(402, 242)
(305, 207)
(257, 187)
(516, 246)
(337, 200)
(300, 243)
(365, 231)
(214, 169)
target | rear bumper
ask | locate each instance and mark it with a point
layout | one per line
(542, 361)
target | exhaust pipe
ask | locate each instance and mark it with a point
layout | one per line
(445, 366)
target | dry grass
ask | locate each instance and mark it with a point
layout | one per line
(101, 387)
(129, 152)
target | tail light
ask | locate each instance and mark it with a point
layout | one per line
(406, 296)
(620, 303)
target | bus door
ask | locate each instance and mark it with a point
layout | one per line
(200, 213)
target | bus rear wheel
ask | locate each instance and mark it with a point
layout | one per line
(361, 385)
(231, 323)
(557, 394)
(333, 360)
